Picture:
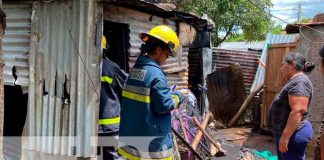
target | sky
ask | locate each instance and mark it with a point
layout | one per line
(287, 9)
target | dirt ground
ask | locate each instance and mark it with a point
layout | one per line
(244, 137)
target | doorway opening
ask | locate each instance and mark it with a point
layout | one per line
(117, 35)
(15, 112)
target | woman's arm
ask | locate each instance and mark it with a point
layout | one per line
(298, 106)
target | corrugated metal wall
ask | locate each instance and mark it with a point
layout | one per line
(16, 42)
(175, 68)
(195, 67)
(247, 59)
(64, 87)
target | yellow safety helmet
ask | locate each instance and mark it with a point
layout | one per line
(166, 35)
(104, 42)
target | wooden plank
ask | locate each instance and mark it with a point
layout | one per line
(289, 45)
(245, 104)
(200, 133)
(221, 151)
(272, 88)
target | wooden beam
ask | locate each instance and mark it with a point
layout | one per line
(187, 144)
(200, 134)
(221, 151)
(245, 105)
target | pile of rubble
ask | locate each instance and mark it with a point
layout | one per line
(192, 130)
(197, 137)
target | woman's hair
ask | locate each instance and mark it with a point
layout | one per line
(321, 53)
(150, 46)
(300, 62)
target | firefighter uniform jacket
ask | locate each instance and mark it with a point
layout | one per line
(147, 102)
(112, 81)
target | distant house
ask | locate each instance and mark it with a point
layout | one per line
(242, 46)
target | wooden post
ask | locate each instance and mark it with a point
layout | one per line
(221, 151)
(2, 30)
(245, 105)
(187, 144)
(200, 134)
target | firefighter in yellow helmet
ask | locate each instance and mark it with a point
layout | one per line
(147, 100)
(112, 81)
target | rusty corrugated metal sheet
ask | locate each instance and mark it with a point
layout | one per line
(242, 46)
(247, 59)
(63, 98)
(226, 92)
(195, 67)
(16, 42)
(176, 68)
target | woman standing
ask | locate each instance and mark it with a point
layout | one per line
(288, 114)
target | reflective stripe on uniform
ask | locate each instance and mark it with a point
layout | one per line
(126, 152)
(106, 79)
(139, 90)
(176, 99)
(136, 97)
(109, 121)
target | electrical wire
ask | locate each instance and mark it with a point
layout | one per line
(78, 53)
(271, 15)
(279, 10)
(308, 39)
(311, 10)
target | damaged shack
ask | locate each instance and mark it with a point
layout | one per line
(52, 55)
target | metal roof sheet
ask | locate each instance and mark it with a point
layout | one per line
(281, 38)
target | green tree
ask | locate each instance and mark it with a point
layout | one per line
(236, 37)
(276, 28)
(231, 17)
(306, 20)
